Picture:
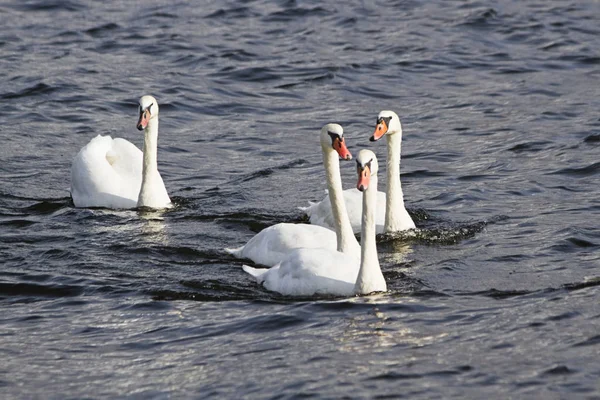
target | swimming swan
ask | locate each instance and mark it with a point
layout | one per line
(114, 173)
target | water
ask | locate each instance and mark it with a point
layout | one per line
(496, 296)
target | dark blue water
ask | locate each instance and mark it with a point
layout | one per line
(497, 295)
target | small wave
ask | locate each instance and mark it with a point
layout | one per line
(591, 341)
(17, 223)
(481, 18)
(581, 59)
(31, 290)
(266, 172)
(102, 30)
(295, 13)
(250, 74)
(32, 91)
(496, 294)
(581, 172)
(589, 282)
(595, 138)
(208, 291)
(452, 234)
(558, 370)
(232, 13)
(532, 147)
(505, 294)
(52, 5)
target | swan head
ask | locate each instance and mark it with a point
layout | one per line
(148, 110)
(332, 136)
(366, 167)
(387, 122)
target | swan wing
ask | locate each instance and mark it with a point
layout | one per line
(107, 173)
(271, 245)
(320, 213)
(306, 272)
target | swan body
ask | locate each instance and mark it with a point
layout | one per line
(107, 173)
(272, 244)
(306, 272)
(320, 213)
(391, 213)
(114, 173)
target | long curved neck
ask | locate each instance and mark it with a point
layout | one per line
(370, 279)
(343, 229)
(150, 166)
(394, 196)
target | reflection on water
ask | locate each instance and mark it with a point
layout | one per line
(394, 253)
(153, 226)
(380, 328)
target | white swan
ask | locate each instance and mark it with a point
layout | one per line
(272, 244)
(305, 272)
(114, 173)
(391, 213)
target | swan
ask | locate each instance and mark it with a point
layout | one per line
(272, 244)
(306, 271)
(391, 214)
(114, 173)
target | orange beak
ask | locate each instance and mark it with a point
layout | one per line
(380, 130)
(143, 121)
(340, 146)
(364, 177)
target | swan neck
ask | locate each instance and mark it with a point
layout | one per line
(370, 279)
(150, 160)
(343, 229)
(394, 195)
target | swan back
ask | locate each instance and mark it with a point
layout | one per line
(107, 173)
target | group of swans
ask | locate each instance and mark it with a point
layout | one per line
(310, 271)
(304, 259)
(391, 215)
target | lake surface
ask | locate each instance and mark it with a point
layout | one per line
(496, 296)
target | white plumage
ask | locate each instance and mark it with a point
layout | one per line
(272, 244)
(306, 272)
(320, 213)
(107, 173)
(114, 173)
(391, 214)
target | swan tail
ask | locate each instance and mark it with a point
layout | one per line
(235, 252)
(308, 209)
(255, 272)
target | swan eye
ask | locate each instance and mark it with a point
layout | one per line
(384, 119)
(334, 136)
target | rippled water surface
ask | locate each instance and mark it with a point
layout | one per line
(497, 295)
